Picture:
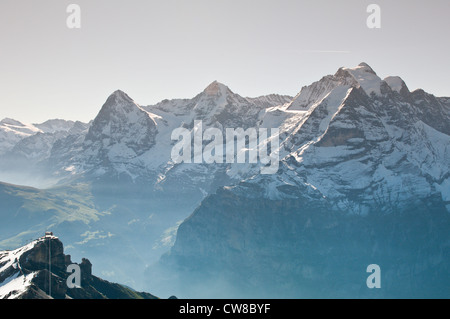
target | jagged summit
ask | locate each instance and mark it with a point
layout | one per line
(118, 103)
(215, 88)
(362, 76)
(366, 67)
(121, 125)
(119, 99)
(396, 83)
(366, 77)
(122, 95)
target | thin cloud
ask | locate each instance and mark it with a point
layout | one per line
(325, 51)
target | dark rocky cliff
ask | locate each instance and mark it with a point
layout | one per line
(46, 261)
(297, 249)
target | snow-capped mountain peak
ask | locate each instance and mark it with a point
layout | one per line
(121, 95)
(396, 83)
(216, 88)
(121, 131)
(315, 93)
(12, 132)
(360, 76)
(120, 106)
(119, 99)
(19, 127)
(366, 78)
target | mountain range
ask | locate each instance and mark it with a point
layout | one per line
(363, 178)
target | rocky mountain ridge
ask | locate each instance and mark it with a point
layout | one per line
(360, 162)
(39, 270)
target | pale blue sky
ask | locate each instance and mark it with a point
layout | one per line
(155, 50)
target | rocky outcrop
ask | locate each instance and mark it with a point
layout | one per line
(39, 270)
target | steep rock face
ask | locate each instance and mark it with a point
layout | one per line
(433, 111)
(43, 253)
(122, 130)
(295, 248)
(38, 270)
